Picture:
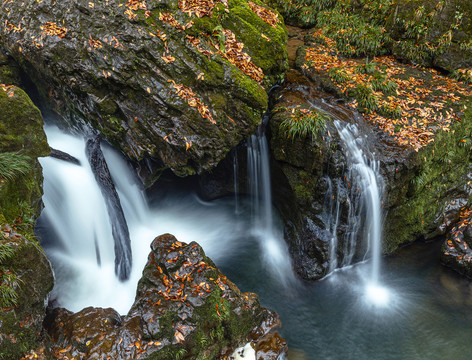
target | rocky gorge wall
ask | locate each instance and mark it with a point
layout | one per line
(179, 82)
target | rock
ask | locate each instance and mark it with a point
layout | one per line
(153, 77)
(61, 155)
(25, 272)
(424, 188)
(432, 33)
(21, 130)
(184, 307)
(455, 251)
(21, 324)
(9, 70)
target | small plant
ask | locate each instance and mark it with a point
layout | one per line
(366, 97)
(339, 75)
(301, 122)
(8, 280)
(13, 165)
(180, 354)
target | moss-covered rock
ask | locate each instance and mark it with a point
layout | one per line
(177, 82)
(21, 323)
(25, 273)
(432, 32)
(9, 69)
(21, 131)
(185, 308)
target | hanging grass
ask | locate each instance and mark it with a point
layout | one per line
(13, 165)
(303, 122)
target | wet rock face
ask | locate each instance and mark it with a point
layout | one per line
(424, 191)
(456, 252)
(162, 79)
(184, 307)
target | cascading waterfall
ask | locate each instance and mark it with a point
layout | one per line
(331, 213)
(235, 181)
(272, 244)
(76, 231)
(364, 208)
(365, 180)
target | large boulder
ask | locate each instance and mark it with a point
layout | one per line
(179, 81)
(25, 272)
(184, 308)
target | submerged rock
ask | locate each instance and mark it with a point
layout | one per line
(176, 81)
(184, 307)
(119, 227)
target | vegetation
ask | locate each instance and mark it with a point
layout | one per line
(13, 165)
(8, 280)
(303, 122)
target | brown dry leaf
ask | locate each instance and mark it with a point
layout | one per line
(52, 29)
(266, 15)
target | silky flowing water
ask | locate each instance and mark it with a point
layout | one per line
(425, 317)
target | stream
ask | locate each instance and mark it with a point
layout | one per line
(424, 309)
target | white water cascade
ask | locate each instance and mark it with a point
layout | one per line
(366, 182)
(364, 176)
(76, 232)
(272, 243)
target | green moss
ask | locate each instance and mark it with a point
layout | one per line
(440, 167)
(22, 130)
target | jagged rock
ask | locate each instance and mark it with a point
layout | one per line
(149, 75)
(184, 307)
(456, 250)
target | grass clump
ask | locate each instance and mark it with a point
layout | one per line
(303, 122)
(13, 165)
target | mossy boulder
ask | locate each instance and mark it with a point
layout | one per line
(21, 131)
(432, 32)
(167, 80)
(21, 324)
(25, 273)
(185, 308)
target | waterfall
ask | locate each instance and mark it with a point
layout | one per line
(330, 215)
(272, 244)
(75, 230)
(365, 198)
(235, 181)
